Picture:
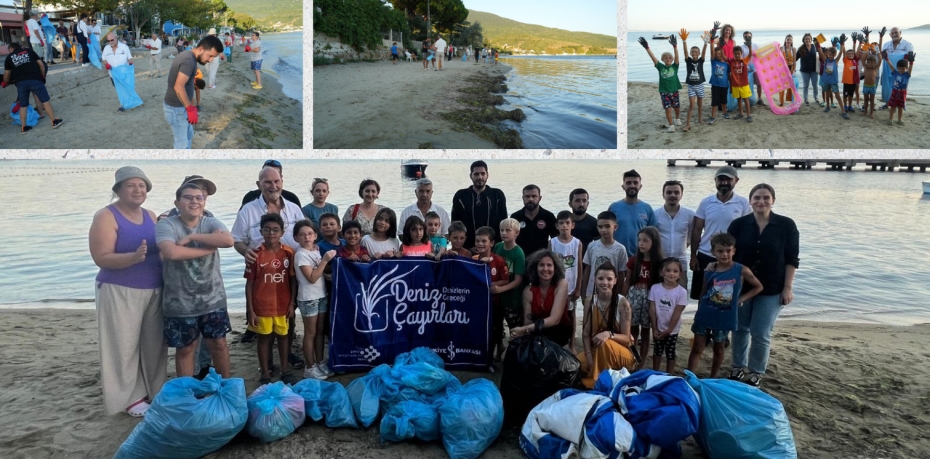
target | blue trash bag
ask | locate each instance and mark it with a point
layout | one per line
(32, 116)
(124, 79)
(662, 409)
(471, 418)
(451, 387)
(739, 421)
(731, 101)
(189, 419)
(365, 394)
(410, 419)
(419, 354)
(275, 411)
(327, 400)
(421, 376)
(93, 50)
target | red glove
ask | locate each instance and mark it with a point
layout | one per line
(15, 108)
(148, 47)
(3, 84)
(130, 62)
(192, 114)
(248, 49)
(108, 66)
(41, 43)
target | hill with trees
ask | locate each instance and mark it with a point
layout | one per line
(923, 27)
(271, 14)
(520, 38)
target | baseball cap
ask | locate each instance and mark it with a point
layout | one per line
(728, 171)
(207, 185)
(127, 172)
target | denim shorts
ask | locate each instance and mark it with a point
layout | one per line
(832, 87)
(717, 336)
(256, 65)
(184, 331)
(24, 88)
(313, 307)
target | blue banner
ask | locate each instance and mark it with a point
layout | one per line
(387, 307)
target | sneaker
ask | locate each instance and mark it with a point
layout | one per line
(806, 103)
(670, 129)
(748, 119)
(677, 122)
(247, 337)
(257, 87)
(295, 361)
(319, 372)
(826, 110)
(754, 380)
(736, 374)
(726, 116)
(822, 104)
(739, 116)
(711, 120)
(834, 104)
(26, 129)
(846, 116)
(211, 87)
(323, 366)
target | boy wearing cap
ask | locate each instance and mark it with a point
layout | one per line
(194, 297)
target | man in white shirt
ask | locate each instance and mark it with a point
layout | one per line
(114, 55)
(36, 35)
(83, 37)
(440, 48)
(423, 206)
(896, 49)
(674, 223)
(154, 47)
(213, 66)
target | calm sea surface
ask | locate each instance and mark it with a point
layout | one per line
(283, 56)
(864, 238)
(640, 67)
(569, 101)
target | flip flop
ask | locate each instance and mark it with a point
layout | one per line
(138, 409)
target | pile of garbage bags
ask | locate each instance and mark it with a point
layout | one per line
(534, 369)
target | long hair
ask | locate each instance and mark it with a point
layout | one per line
(802, 50)
(722, 41)
(611, 318)
(392, 221)
(407, 237)
(655, 256)
(532, 267)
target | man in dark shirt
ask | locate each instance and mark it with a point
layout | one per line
(585, 229)
(287, 195)
(64, 33)
(180, 113)
(23, 68)
(537, 225)
(479, 205)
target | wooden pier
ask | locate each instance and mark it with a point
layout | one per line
(909, 165)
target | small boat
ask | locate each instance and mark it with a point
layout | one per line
(660, 36)
(926, 187)
(415, 168)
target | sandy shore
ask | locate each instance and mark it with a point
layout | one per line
(232, 116)
(850, 390)
(380, 105)
(810, 128)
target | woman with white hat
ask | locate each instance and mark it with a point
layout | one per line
(213, 66)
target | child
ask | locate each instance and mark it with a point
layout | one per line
(642, 273)
(352, 249)
(568, 248)
(515, 259)
(870, 85)
(329, 230)
(500, 276)
(602, 250)
(667, 300)
(381, 243)
(695, 79)
(437, 241)
(901, 75)
(199, 84)
(719, 85)
(497, 54)
(850, 76)
(668, 81)
(829, 81)
(394, 55)
(791, 59)
(414, 241)
(457, 235)
(312, 299)
(739, 81)
(721, 296)
(270, 292)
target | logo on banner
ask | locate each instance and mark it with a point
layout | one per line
(366, 303)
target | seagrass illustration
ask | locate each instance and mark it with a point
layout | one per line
(372, 295)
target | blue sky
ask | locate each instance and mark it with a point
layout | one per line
(644, 15)
(596, 16)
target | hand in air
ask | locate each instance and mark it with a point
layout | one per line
(843, 38)
(866, 31)
(716, 25)
(642, 41)
(910, 56)
(683, 33)
(706, 37)
(673, 40)
(884, 54)
(881, 33)
(836, 42)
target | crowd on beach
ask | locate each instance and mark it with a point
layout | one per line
(732, 66)
(160, 285)
(27, 68)
(434, 50)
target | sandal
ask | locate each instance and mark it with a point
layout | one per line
(755, 380)
(138, 409)
(736, 374)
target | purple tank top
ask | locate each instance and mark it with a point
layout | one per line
(145, 275)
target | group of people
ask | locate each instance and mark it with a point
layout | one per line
(731, 67)
(432, 51)
(160, 285)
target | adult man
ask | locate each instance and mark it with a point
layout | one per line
(115, 54)
(423, 206)
(255, 58)
(632, 214)
(440, 48)
(254, 194)
(83, 35)
(896, 49)
(674, 223)
(23, 68)
(537, 225)
(180, 113)
(36, 35)
(154, 47)
(65, 35)
(585, 225)
(213, 66)
(194, 297)
(747, 37)
(479, 205)
(713, 216)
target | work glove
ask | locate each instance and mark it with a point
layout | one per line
(866, 31)
(683, 34)
(642, 41)
(673, 40)
(881, 33)
(3, 84)
(192, 115)
(910, 56)
(248, 49)
(843, 39)
(109, 67)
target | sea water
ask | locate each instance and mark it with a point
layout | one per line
(569, 101)
(864, 238)
(283, 57)
(641, 69)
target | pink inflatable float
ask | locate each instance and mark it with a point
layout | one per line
(775, 77)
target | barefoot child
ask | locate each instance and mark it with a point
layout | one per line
(568, 248)
(667, 300)
(312, 299)
(642, 273)
(669, 84)
(901, 76)
(739, 81)
(515, 259)
(457, 235)
(830, 78)
(352, 249)
(719, 85)
(414, 241)
(721, 296)
(869, 85)
(695, 78)
(484, 241)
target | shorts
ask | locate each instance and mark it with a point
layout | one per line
(670, 100)
(849, 89)
(866, 90)
(184, 331)
(718, 96)
(898, 97)
(313, 307)
(269, 325)
(639, 302)
(668, 345)
(393, 57)
(24, 88)
(832, 87)
(256, 65)
(717, 336)
(696, 90)
(741, 92)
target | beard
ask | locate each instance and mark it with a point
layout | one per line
(531, 206)
(579, 211)
(632, 193)
(724, 188)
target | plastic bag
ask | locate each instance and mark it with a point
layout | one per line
(420, 354)
(741, 421)
(32, 116)
(365, 394)
(124, 79)
(189, 419)
(275, 411)
(328, 400)
(471, 418)
(534, 369)
(421, 376)
(410, 419)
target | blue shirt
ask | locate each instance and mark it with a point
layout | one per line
(313, 212)
(394, 49)
(718, 308)
(831, 72)
(720, 75)
(630, 219)
(326, 246)
(900, 79)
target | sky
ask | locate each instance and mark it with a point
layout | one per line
(595, 16)
(818, 15)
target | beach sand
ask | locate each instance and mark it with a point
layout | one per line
(850, 390)
(380, 105)
(811, 128)
(231, 116)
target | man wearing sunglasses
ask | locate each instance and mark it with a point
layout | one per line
(114, 55)
(254, 194)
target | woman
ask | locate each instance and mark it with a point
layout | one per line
(768, 244)
(789, 52)
(726, 41)
(545, 298)
(808, 57)
(133, 356)
(319, 190)
(606, 331)
(364, 212)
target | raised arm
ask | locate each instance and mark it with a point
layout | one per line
(706, 39)
(645, 44)
(674, 42)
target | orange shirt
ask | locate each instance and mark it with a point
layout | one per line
(271, 275)
(850, 71)
(739, 72)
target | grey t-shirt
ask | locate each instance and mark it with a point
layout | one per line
(185, 63)
(596, 255)
(191, 287)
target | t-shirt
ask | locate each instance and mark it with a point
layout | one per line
(326, 246)
(850, 71)
(394, 49)
(900, 79)
(156, 46)
(586, 231)
(643, 279)
(306, 290)
(35, 31)
(718, 308)
(668, 77)
(416, 250)
(191, 287)
(535, 232)
(515, 263)
(23, 65)
(498, 273)
(117, 57)
(63, 31)
(185, 63)
(720, 76)
(568, 252)
(718, 215)
(667, 300)
(830, 72)
(630, 219)
(256, 53)
(739, 72)
(695, 70)
(271, 275)
(380, 247)
(438, 242)
(313, 212)
(440, 46)
(344, 252)
(597, 254)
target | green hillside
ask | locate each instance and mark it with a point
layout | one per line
(510, 35)
(923, 27)
(269, 12)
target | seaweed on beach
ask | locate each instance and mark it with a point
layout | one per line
(485, 119)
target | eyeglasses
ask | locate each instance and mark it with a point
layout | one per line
(273, 163)
(192, 198)
(272, 230)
